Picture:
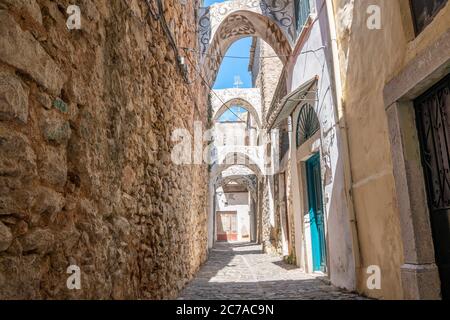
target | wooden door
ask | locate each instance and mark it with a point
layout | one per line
(316, 214)
(227, 226)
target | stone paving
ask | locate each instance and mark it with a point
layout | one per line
(241, 271)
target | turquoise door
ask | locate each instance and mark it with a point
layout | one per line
(316, 215)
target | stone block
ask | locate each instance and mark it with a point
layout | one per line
(45, 100)
(21, 50)
(29, 8)
(60, 105)
(55, 130)
(17, 158)
(48, 201)
(13, 99)
(53, 167)
(39, 240)
(5, 237)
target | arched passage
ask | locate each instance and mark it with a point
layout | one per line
(234, 158)
(240, 24)
(238, 102)
(235, 189)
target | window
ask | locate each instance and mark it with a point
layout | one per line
(302, 11)
(307, 124)
(284, 143)
(424, 11)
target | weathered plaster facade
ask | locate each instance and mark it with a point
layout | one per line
(390, 205)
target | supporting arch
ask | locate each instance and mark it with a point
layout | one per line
(240, 24)
(244, 176)
(238, 102)
(234, 158)
(248, 181)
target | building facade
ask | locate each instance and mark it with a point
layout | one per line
(362, 183)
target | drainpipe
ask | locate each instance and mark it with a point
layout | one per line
(339, 113)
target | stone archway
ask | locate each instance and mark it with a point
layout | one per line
(250, 99)
(242, 157)
(221, 25)
(240, 176)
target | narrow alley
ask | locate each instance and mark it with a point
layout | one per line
(242, 271)
(225, 149)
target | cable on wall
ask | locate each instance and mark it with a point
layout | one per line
(159, 16)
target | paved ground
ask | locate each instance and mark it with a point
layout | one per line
(242, 271)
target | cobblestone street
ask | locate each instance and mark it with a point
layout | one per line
(242, 271)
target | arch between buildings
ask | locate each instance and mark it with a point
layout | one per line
(240, 24)
(238, 102)
(248, 177)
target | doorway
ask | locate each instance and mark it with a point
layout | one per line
(227, 226)
(433, 126)
(316, 214)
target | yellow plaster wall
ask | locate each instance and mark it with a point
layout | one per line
(369, 59)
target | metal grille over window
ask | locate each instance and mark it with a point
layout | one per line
(307, 125)
(433, 111)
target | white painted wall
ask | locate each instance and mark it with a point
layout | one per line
(315, 60)
(230, 133)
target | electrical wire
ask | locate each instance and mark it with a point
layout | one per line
(212, 90)
(247, 58)
(155, 16)
(160, 17)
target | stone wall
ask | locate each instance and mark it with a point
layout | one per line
(86, 178)
(269, 74)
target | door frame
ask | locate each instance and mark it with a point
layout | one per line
(318, 241)
(419, 273)
(235, 213)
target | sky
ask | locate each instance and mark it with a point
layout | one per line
(232, 114)
(232, 67)
(207, 3)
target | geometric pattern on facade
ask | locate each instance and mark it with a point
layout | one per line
(247, 181)
(307, 124)
(239, 174)
(223, 23)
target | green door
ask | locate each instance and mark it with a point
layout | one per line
(316, 216)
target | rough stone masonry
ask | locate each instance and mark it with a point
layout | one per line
(86, 178)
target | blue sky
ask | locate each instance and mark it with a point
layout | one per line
(232, 113)
(207, 3)
(231, 67)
